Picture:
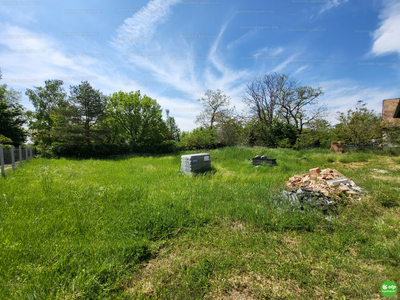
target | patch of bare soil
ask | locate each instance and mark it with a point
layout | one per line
(387, 178)
(248, 286)
(354, 165)
(379, 171)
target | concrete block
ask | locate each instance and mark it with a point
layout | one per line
(337, 181)
(195, 163)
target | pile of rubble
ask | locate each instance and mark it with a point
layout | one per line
(328, 182)
(305, 197)
(319, 189)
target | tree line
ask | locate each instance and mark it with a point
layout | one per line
(84, 122)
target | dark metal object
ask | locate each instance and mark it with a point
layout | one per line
(260, 161)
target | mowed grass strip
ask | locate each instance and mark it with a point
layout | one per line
(136, 227)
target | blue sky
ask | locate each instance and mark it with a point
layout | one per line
(174, 51)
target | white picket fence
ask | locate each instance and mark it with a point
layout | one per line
(20, 152)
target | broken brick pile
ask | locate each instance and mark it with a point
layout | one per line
(329, 182)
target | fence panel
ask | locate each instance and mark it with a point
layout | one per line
(11, 156)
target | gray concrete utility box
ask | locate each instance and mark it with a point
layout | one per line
(195, 163)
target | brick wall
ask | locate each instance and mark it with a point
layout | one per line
(389, 108)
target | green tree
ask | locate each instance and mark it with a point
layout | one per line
(86, 110)
(12, 116)
(215, 109)
(4, 140)
(276, 134)
(301, 106)
(279, 97)
(173, 128)
(139, 117)
(359, 126)
(46, 100)
(319, 133)
(229, 131)
(391, 132)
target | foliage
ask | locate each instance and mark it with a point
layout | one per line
(273, 135)
(215, 109)
(254, 133)
(173, 128)
(46, 100)
(229, 132)
(59, 149)
(136, 228)
(87, 106)
(391, 133)
(359, 126)
(302, 107)
(138, 117)
(12, 116)
(274, 96)
(199, 138)
(5, 140)
(318, 134)
(279, 131)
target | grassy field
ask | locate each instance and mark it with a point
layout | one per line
(137, 228)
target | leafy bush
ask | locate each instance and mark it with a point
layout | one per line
(278, 134)
(84, 150)
(4, 140)
(199, 138)
(285, 143)
(58, 149)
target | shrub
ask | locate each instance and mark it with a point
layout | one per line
(199, 138)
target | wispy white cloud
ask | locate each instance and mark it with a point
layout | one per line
(269, 51)
(300, 69)
(332, 4)
(185, 72)
(29, 58)
(242, 39)
(386, 37)
(19, 16)
(343, 94)
(143, 24)
(283, 64)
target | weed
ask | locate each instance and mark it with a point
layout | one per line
(89, 229)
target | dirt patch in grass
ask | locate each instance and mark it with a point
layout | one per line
(353, 165)
(167, 270)
(386, 178)
(394, 167)
(380, 171)
(254, 285)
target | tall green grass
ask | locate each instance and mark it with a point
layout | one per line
(82, 228)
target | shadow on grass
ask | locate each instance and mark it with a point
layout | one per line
(203, 173)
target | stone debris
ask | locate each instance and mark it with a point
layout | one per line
(329, 182)
(338, 181)
(319, 189)
(304, 198)
(314, 172)
(343, 188)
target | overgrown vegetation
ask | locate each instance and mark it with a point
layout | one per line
(85, 123)
(136, 228)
